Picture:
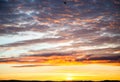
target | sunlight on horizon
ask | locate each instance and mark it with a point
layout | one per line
(73, 72)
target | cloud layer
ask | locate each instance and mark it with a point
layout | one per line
(48, 29)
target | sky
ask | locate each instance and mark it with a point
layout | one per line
(79, 40)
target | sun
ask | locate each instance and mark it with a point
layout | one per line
(69, 77)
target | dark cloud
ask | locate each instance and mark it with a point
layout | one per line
(5, 60)
(107, 39)
(21, 66)
(40, 28)
(18, 60)
(103, 52)
(53, 54)
(111, 58)
(100, 58)
(10, 30)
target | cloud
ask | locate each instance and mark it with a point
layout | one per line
(51, 29)
(53, 54)
(61, 59)
(34, 41)
(21, 66)
(111, 58)
(100, 59)
(7, 30)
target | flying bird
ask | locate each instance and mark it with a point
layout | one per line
(65, 2)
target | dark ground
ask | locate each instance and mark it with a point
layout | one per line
(56, 81)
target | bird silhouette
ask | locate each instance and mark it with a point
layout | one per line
(65, 2)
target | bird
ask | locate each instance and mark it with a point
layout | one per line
(65, 2)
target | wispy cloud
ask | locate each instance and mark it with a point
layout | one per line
(20, 66)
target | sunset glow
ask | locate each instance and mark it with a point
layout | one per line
(60, 40)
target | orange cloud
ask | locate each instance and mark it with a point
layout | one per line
(61, 59)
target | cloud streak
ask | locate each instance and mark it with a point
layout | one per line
(61, 59)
